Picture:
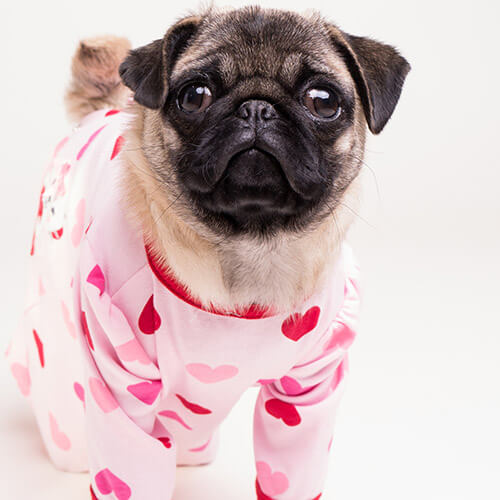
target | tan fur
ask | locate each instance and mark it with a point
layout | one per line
(279, 272)
(95, 83)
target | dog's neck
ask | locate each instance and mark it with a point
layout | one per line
(232, 273)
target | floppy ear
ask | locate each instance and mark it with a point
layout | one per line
(146, 69)
(379, 72)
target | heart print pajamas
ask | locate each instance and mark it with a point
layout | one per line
(129, 377)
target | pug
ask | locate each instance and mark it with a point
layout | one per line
(189, 244)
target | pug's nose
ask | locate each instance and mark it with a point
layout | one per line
(255, 111)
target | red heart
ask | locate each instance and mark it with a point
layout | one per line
(165, 441)
(117, 147)
(199, 410)
(149, 320)
(40, 202)
(92, 494)
(39, 346)
(297, 325)
(85, 328)
(57, 235)
(112, 112)
(283, 410)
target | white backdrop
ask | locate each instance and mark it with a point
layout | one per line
(420, 418)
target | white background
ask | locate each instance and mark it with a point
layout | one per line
(420, 418)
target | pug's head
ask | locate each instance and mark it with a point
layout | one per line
(256, 118)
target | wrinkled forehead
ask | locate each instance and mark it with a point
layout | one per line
(277, 46)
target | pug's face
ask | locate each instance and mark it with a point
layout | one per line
(260, 115)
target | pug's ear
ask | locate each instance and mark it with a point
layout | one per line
(379, 72)
(146, 69)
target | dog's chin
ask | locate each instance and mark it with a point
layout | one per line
(253, 195)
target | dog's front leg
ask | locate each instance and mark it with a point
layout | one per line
(130, 453)
(294, 416)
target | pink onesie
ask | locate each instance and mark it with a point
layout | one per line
(128, 376)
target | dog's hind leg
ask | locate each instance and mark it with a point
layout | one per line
(95, 82)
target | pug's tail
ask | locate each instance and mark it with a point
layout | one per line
(95, 82)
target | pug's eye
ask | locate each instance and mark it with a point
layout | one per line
(194, 98)
(322, 103)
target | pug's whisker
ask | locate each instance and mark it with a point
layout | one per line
(372, 171)
(356, 214)
(167, 208)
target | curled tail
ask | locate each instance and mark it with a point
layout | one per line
(95, 82)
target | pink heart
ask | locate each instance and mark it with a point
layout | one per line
(107, 483)
(342, 337)
(147, 392)
(80, 392)
(132, 351)
(291, 386)
(338, 375)
(60, 439)
(60, 145)
(272, 483)
(41, 288)
(208, 375)
(175, 416)
(70, 326)
(96, 278)
(22, 376)
(203, 447)
(102, 395)
(79, 227)
(266, 381)
(87, 144)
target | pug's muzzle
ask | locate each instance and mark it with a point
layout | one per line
(254, 165)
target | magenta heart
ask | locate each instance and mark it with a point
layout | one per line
(297, 325)
(80, 392)
(96, 278)
(149, 320)
(291, 386)
(107, 483)
(284, 411)
(208, 375)
(147, 392)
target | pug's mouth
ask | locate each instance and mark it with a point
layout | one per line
(253, 186)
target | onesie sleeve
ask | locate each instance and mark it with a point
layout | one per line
(294, 416)
(122, 387)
